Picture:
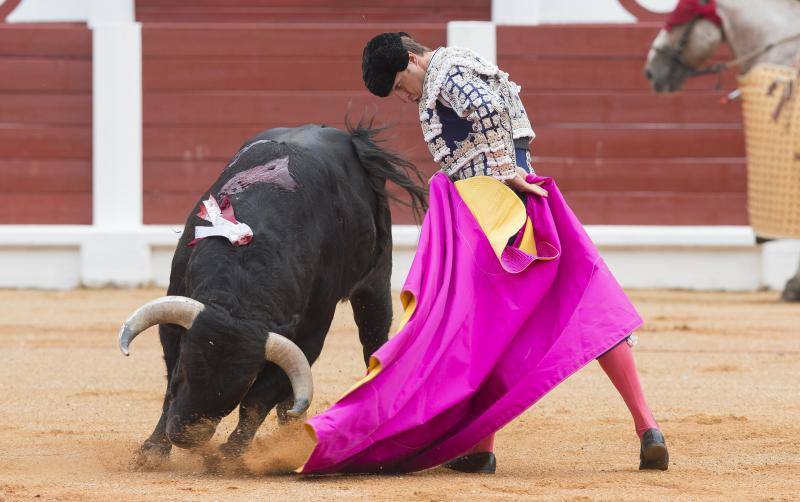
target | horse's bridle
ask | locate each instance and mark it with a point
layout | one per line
(675, 54)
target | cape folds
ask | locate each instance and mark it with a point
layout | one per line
(488, 330)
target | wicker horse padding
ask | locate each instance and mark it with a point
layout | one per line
(772, 135)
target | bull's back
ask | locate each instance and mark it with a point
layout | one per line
(319, 228)
(329, 191)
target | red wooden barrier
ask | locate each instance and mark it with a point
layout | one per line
(325, 11)
(621, 154)
(45, 124)
(208, 87)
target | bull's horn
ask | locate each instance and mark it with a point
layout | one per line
(283, 352)
(165, 310)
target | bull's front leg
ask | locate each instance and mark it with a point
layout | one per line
(372, 310)
(272, 386)
(269, 389)
(156, 449)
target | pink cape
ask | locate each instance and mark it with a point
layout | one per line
(492, 329)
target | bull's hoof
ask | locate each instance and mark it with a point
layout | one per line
(213, 462)
(150, 457)
(231, 450)
(227, 460)
(282, 410)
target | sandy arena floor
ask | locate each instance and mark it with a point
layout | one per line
(721, 371)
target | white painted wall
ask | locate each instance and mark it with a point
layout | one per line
(559, 11)
(516, 12)
(503, 11)
(112, 11)
(659, 5)
(704, 258)
(69, 256)
(530, 12)
(683, 257)
(44, 267)
(43, 11)
(479, 36)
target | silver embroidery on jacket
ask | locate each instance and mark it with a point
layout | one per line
(480, 92)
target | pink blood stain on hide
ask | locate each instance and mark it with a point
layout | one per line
(275, 171)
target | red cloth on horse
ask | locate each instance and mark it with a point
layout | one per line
(687, 10)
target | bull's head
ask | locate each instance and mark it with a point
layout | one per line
(213, 372)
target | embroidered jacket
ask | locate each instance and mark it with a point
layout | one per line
(459, 83)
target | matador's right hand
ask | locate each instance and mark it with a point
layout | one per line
(519, 184)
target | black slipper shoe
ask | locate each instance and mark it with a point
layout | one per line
(653, 453)
(482, 462)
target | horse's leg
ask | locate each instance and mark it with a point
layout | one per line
(791, 292)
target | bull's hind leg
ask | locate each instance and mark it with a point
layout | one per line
(372, 310)
(156, 449)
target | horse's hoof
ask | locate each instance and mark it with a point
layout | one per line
(791, 293)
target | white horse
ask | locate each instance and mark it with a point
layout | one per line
(747, 27)
(763, 31)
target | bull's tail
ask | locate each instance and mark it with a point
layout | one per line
(382, 165)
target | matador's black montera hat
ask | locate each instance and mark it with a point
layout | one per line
(383, 57)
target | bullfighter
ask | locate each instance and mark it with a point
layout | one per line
(507, 295)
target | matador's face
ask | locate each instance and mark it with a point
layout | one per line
(408, 83)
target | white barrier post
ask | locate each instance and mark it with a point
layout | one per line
(113, 255)
(476, 35)
(515, 12)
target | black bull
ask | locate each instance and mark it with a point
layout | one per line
(236, 315)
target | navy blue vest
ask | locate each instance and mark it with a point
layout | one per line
(454, 129)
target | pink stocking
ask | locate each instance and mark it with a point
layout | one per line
(486, 444)
(620, 367)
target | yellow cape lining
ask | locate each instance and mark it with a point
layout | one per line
(499, 212)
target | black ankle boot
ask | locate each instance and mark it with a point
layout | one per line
(482, 462)
(653, 453)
